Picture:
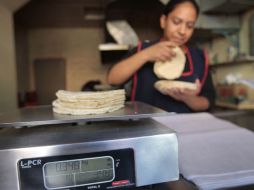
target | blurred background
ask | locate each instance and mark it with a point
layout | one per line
(47, 45)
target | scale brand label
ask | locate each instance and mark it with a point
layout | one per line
(29, 163)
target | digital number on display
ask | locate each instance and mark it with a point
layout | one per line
(81, 172)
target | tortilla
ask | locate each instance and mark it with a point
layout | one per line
(71, 96)
(164, 85)
(83, 103)
(87, 105)
(74, 111)
(171, 69)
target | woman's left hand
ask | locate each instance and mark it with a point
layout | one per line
(184, 94)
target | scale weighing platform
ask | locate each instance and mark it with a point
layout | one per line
(42, 150)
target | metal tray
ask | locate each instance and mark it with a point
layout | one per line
(44, 115)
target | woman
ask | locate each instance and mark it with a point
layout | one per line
(177, 22)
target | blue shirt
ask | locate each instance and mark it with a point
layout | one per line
(143, 89)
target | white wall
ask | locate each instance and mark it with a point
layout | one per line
(8, 83)
(79, 46)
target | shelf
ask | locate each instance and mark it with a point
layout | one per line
(112, 53)
(226, 6)
(113, 47)
(246, 105)
(236, 62)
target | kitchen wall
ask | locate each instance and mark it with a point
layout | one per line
(78, 46)
(8, 81)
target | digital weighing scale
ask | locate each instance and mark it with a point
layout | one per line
(41, 150)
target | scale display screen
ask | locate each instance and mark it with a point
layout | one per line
(73, 173)
(112, 169)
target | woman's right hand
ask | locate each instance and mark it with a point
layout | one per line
(122, 71)
(162, 51)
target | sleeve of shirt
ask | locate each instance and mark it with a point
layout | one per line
(208, 90)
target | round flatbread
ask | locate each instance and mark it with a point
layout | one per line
(171, 69)
(88, 105)
(71, 96)
(164, 85)
(83, 103)
(77, 111)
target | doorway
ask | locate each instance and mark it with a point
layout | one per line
(50, 76)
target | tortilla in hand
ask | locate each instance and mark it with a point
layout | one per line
(164, 85)
(171, 69)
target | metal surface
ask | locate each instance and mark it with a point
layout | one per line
(155, 147)
(44, 115)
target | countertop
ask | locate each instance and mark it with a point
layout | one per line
(243, 118)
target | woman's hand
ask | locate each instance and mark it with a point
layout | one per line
(123, 70)
(191, 98)
(184, 94)
(162, 51)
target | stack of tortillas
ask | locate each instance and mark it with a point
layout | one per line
(171, 70)
(83, 103)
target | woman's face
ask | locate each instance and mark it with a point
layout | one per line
(179, 24)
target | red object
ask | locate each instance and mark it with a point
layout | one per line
(122, 182)
(135, 78)
(30, 99)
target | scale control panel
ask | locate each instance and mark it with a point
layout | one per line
(97, 171)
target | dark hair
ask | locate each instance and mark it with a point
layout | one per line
(171, 5)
